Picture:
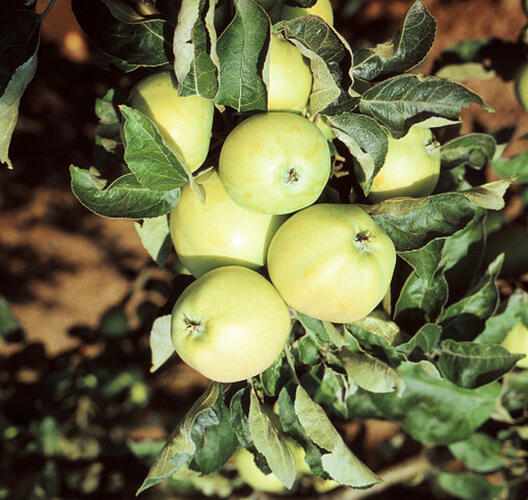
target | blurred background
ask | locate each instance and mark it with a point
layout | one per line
(80, 414)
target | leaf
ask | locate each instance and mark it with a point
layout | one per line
(194, 48)
(124, 198)
(407, 49)
(473, 150)
(278, 454)
(370, 373)
(270, 376)
(340, 463)
(18, 63)
(472, 365)
(466, 71)
(479, 452)
(367, 142)
(161, 344)
(140, 44)
(155, 237)
(327, 52)
(10, 329)
(509, 314)
(314, 327)
(489, 196)
(155, 166)
(180, 447)
(400, 102)
(468, 486)
(333, 390)
(422, 342)
(126, 14)
(464, 319)
(240, 51)
(508, 167)
(433, 410)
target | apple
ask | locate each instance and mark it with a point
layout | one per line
(411, 167)
(331, 262)
(289, 77)
(275, 163)
(321, 8)
(230, 324)
(521, 86)
(517, 342)
(185, 123)
(219, 232)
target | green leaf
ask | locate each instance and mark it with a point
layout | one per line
(480, 452)
(515, 396)
(308, 351)
(155, 237)
(473, 150)
(422, 343)
(10, 329)
(240, 51)
(367, 142)
(466, 71)
(161, 344)
(404, 100)
(468, 486)
(340, 463)
(180, 447)
(155, 166)
(333, 390)
(465, 319)
(314, 327)
(472, 365)
(407, 49)
(140, 44)
(194, 46)
(278, 454)
(370, 373)
(508, 167)
(433, 410)
(18, 63)
(327, 52)
(270, 376)
(509, 314)
(127, 14)
(124, 198)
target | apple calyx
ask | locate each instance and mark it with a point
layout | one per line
(432, 146)
(292, 176)
(195, 328)
(361, 240)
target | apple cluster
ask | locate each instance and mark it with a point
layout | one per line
(329, 261)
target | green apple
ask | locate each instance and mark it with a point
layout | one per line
(411, 168)
(331, 262)
(275, 163)
(230, 324)
(185, 123)
(219, 232)
(521, 86)
(321, 8)
(517, 342)
(289, 77)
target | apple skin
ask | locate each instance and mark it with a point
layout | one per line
(517, 342)
(521, 86)
(219, 232)
(321, 8)
(331, 262)
(289, 77)
(411, 167)
(230, 324)
(185, 123)
(275, 163)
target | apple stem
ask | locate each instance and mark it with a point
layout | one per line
(194, 327)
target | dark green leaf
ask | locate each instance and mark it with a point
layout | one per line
(508, 167)
(240, 51)
(314, 327)
(142, 44)
(480, 452)
(515, 396)
(402, 101)
(124, 198)
(407, 49)
(367, 142)
(472, 365)
(155, 166)
(308, 351)
(180, 447)
(333, 390)
(10, 329)
(327, 52)
(110, 62)
(422, 343)
(271, 376)
(473, 150)
(301, 3)
(468, 486)
(125, 13)
(433, 410)
(195, 49)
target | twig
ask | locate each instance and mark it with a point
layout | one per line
(47, 9)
